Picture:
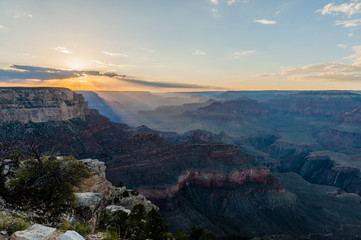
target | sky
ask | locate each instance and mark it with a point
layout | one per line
(188, 45)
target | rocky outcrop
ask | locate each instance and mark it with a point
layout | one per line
(41, 232)
(96, 193)
(126, 199)
(97, 182)
(164, 163)
(244, 181)
(89, 206)
(40, 104)
(35, 232)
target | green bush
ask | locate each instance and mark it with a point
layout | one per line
(13, 224)
(111, 235)
(139, 224)
(49, 181)
(82, 228)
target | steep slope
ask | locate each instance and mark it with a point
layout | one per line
(40, 104)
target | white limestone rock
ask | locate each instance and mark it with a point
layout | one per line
(35, 232)
(70, 235)
(89, 199)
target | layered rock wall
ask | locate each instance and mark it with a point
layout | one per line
(40, 105)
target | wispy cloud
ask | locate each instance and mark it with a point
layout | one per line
(230, 2)
(349, 23)
(63, 50)
(115, 54)
(200, 52)
(107, 64)
(3, 27)
(326, 71)
(238, 54)
(341, 45)
(22, 15)
(149, 50)
(111, 54)
(357, 56)
(215, 2)
(264, 21)
(349, 9)
(40, 74)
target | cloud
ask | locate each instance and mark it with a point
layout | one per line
(3, 27)
(230, 2)
(341, 45)
(324, 68)
(349, 23)
(264, 21)
(349, 9)
(326, 71)
(39, 74)
(356, 56)
(111, 54)
(238, 54)
(44, 73)
(107, 64)
(115, 54)
(22, 15)
(63, 50)
(200, 52)
(148, 50)
(215, 2)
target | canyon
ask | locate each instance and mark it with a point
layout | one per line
(225, 163)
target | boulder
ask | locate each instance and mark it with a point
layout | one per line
(89, 199)
(130, 199)
(97, 182)
(70, 235)
(89, 205)
(35, 232)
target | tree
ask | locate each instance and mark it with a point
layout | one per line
(155, 227)
(48, 180)
(199, 233)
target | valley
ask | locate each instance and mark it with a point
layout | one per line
(242, 168)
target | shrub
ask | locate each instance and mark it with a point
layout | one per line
(125, 194)
(82, 228)
(111, 235)
(49, 181)
(13, 224)
(199, 233)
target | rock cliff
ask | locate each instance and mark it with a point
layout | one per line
(40, 104)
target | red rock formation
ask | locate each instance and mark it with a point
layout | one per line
(253, 180)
